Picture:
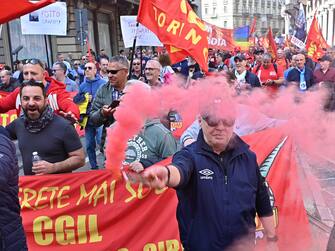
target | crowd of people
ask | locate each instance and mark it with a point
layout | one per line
(87, 91)
(50, 100)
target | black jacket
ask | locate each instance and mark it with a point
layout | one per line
(12, 236)
(218, 195)
(252, 79)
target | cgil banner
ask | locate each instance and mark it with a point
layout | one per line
(91, 211)
(144, 36)
(50, 20)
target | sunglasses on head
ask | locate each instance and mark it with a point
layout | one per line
(88, 68)
(212, 121)
(114, 71)
(35, 61)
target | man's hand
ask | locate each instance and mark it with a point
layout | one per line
(107, 111)
(269, 82)
(136, 166)
(43, 167)
(69, 116)
(155, 176)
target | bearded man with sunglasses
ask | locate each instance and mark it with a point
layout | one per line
(59, 99)
(219, 187)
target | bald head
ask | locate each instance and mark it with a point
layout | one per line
(152, 72)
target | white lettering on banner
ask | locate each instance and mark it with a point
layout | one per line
(217, 41)
(298, 42)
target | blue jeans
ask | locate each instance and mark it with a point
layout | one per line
(92, 137)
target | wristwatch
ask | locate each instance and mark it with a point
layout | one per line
(273, 238)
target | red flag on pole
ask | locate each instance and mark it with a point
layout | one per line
(272, 49)
(16, 8)
(90, 57)
(315, 42)
(176, 25)
(253, 27)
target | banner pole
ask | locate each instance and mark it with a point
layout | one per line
(141, 58)
(133, 52)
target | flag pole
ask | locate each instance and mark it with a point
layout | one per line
(133, 52)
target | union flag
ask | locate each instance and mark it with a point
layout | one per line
(315, 42)
(16, 8)
(178, 27)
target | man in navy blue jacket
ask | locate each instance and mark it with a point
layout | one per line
(12, 236)
(301, 75)
(219, 188)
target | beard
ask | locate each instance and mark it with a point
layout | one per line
(33, 112)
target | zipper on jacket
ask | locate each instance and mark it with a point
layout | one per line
(224, 171)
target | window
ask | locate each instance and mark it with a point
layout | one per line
(225, 9)
(206, 11)
(225, 24)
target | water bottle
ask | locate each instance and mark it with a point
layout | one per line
(36, 157)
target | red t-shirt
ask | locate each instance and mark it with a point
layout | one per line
(269, 74)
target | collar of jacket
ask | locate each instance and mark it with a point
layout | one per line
(236, 146)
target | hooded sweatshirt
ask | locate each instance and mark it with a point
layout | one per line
(59, 99)
(153, 144)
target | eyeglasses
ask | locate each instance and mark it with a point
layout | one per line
(35, 61)
(213, 121)
(150, 69)
(54, 70)
(88, 68)
(76, 64)
(136, 63)
(114, 71)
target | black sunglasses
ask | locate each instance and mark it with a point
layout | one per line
(35, 61)
(136, 63)
(88, 68)
(114, 71)
(213, 121)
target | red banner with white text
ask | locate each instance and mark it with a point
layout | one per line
(91, 211)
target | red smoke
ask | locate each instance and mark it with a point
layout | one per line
(311, 128)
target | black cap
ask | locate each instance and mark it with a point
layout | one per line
(325, 58)
(258, 51)
(240, 57)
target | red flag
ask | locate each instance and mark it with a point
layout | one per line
(176, 54)
(176, 25)
(90, 57)
(277, 160)
(315, 41)
(272, 49)
(253, 27)
(220, 38)
(16, 8)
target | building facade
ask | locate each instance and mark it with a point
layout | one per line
(325, 13)
(236, 13)
(104, 32)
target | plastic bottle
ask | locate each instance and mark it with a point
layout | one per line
(36, 157)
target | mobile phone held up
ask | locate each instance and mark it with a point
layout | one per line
(114, 104)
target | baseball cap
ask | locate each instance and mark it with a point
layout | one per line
(240, 57)
(258, 51)
(325, 58)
